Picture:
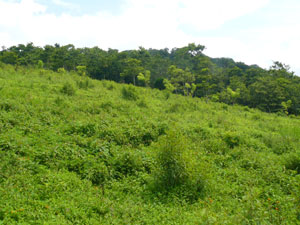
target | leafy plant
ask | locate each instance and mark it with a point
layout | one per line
(84, 84)
(293, 163)
(130, 93)
(68, 89)
(232, 139)
(175, 170)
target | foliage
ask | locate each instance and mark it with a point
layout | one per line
(79, 151)
(40, 64)
(68, 89)
(175, 169)
(129, 93)
(84, 84)
(132, 70)
(81, 70)
(144, 78)
(61, 70)
(168, 86)
(188, 70)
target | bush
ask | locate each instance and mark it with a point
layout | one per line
(293, 163)
(86, 84)
(174, 108)
(96, 172)
(68, 89)
(6, 106)
(129, 93)
(126, 162)
(278, 143)
(142, 103)
(87, 130)
(232, 139)
(81, 70)
(176, 170)
(61, 70)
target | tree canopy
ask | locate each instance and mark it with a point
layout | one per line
(185, 70)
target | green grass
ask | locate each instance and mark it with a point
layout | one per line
(79, 151)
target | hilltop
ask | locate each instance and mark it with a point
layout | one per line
(74, 150)
(186, 70)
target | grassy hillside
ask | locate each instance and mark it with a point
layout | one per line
(80, 151)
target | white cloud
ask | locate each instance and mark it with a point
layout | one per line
(13, 14)
(154, 23)
(66, 4)
(5, 39)
(151, 23)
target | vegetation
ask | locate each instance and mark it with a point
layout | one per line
(186, 71)
(79, 151)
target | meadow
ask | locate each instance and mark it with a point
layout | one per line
(74, 150)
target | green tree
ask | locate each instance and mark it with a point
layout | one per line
(229, 96)
(279, 69)
(267, 94)
(180, 79)
(286, 105)
(168, 86)
(9, 57)
(40, 64)
(144, 78)
(131, 70)
(81, 70)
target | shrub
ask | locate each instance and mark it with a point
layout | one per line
(232, 139)
(110, 87)
(176, 170)
(40, 64)
(278, 144)
(293, 163)
(96, 172)
(68, 89)
(6, 106)
(126, 162)
(86, 84)
(81, 70)
(42, 72)
(142, 103)
(174, 108)
(61, 70)
(129, 93)
(87, 130)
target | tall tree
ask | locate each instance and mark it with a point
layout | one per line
(131, 70)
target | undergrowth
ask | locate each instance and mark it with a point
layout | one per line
(79, 151)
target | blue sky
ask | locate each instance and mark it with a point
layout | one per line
(252, 31)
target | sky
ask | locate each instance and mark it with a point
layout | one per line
(251, 31)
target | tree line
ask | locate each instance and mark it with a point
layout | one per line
(186, 71)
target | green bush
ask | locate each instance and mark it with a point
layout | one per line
(68, 89)
(95, 171)
(232, 139)
(84, 84)
(174, 108)
(125, 163)
(142, 104)
(6, 106)
(176, 171)
(278, 144)
(61, 70)
(130, 93)
(293, 163)
(87, 130)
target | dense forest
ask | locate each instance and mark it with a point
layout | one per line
(186, 71)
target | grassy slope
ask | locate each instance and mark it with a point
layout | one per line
(54, 144)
